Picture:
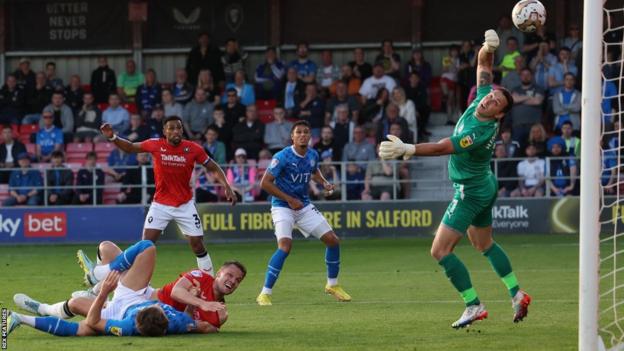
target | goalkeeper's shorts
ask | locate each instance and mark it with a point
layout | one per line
(471, 205)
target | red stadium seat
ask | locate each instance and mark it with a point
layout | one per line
(77, 152)
(265, 110)
(131, 107)
(102, 106)
(103, 150)
(86, 88)
(110, 194)
(25, 132)
(15, 128)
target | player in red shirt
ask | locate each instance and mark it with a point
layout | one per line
(195, 291)
(174, 160)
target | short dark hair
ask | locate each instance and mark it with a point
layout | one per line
(569, 74)
(508, 97)
(50, 63)
(61, 93)
(299, 123)
(512, 38)
(152, 321)
(237, 264)
(57, 154)
(567, 122)
(304, 43)
(213, 128)
(565, 48)
(171, 118)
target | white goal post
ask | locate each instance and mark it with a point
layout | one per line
(591, 169)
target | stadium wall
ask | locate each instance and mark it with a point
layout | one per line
(222, 223)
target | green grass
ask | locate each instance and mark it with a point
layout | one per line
(401, 298)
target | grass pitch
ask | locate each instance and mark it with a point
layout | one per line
(401, 298)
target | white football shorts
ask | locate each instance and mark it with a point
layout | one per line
(123, 298)
(185, 216)
(309, 220)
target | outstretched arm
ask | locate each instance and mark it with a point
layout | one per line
(123, 144)
(485, 61)
(394, 148)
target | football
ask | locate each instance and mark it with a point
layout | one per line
(527, 15)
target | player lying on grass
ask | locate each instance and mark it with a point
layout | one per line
(287, 181)
(130, 312)
(194, 289)
(470, 211)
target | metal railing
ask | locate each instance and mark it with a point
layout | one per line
(351, 177)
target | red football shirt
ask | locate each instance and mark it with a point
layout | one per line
(173, 168)
(200, 280)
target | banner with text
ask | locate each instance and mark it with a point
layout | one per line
(68, 25)
(71, 224)
(389, 219)
(173, 23)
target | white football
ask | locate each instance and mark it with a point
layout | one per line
(527, 15)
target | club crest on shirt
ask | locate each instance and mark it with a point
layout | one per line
(465, 141)
(187, 150)
(312, 162)
(116, 331)
(274, 163)
(196, 273)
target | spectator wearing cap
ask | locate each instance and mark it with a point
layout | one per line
(63, 115)
(117, 116)
(154, 122)
(148, 94)
(242, 177)
(197, 115)
(379, 80)
(12, 100)
(129, 81)
(49, 138)
(59, 181)
(24, 184)
(249, 134)
(214, 147)
(9, 150)
(563, 170)
(532, 172)
(25, 76)
(305, 68)
(85, 180)
(103, 81)
(88, 120)
(567, 104)
(244, 90)
(277, 133)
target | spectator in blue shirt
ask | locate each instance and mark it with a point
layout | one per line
(556, 73)
(244, 90)
(148, 94)
(355, 181)
(49, 138)
(116, 115)
(23, 184)
(563, 169)
(609, 93)
(269, 76)
(306, 68)
(118, 160)
(567, 104)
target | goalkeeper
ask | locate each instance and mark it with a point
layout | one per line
(470, 149)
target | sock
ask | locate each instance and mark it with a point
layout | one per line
(275, 267)
(54, 325)
(59, 309)
(205, 263)
(266, 290)
(123, 261)
(332, 259)
(460, 278)
(501, 264)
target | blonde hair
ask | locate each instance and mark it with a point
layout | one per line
(403, 98)
(540, 127)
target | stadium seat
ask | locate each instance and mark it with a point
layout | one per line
(77, 152)
(25, 132)
(103, 150)
(102, 106)
(16, 130)
(110, 194)
(131, 107)
(265, 110)
(86, 88)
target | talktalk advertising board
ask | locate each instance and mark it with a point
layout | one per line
(70, 224)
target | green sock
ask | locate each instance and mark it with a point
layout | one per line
(500, 262)
(459, 277)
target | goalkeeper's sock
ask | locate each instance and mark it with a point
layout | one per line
(460, 278)
(123, 261)
(59, 309)
(204, 262)
(332, 259)
(500, 262)
(52, 325)
(273, 270)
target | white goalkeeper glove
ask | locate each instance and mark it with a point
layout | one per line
(491, 42)
(389, 150)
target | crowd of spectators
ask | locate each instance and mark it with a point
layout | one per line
(350, 107)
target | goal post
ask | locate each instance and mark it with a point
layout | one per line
(591, 166)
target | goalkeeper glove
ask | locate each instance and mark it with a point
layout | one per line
(389, 150)
(491, 40)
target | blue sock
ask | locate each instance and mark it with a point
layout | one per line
(332, 259)
(275, 267)
(124, 260)
(56, 326)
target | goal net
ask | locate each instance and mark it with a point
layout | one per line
(601, 298)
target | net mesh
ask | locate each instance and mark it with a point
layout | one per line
(611, 318)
